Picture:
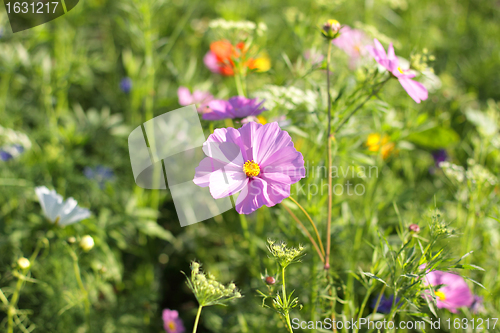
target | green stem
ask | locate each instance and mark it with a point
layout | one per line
(197, 319)
(285, 300)
(373, 93)
(239, 85)
(329, 145)
(86, 302)
(312, 223)
(12, 306)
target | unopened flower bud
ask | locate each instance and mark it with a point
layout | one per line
(71, 240)
(87, 243)
(414, 228)
(270, 280)
(23, 263)
(331, 29)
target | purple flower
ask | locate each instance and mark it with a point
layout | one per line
(385, 305)
(353, 42)
(439, 156)
(259, 161)
(126, 85)
(200, 98)
(415, 89)
(8, 152)
(453, 292)
(235, 107)
(477, 306)
(171, 322)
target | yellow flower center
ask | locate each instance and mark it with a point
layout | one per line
(441, 295)
(400, 70)
(262, 120)
(333, 22)
(171, 326)
(251, 168)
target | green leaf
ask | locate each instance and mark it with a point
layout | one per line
(373, 276)
(434, 138)
(151, 228)
(469, 266)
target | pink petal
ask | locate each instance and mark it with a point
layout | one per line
(415, 89)
(252, 197)
(224, 183)
(268, 140)
(184, 96)
(392, 60)
(210, 60)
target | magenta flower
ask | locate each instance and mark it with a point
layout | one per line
(453, 293)
(171, 322)
(353, 42)
(415, 89)
(210, 60)
(259, 161)
(200, 98)
(235, 107)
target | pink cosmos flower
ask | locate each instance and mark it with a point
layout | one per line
(454, 291)
(259, 161)
(171, 322)
(210, 60)
(353, 42)
(235, 107)
(200, 98)
(415, 89)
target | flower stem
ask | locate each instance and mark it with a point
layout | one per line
(312, 223)
(329, 145)
(12, 306)
(308, 234)
(239, 85)
(197, 319)
(86, 302)
(285, 300)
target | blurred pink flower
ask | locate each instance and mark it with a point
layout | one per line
(171, 322)
(235, 107)
(454, 292)
(415, 89)
(200, 98)
(210, 60)
(353, 42)
(259, 161)
(314, 56)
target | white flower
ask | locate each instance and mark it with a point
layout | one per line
(57, 210)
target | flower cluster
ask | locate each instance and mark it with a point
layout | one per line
(287, 98)
(207, 290)
(227, 59)
(285, 255)
(478, 174)
(12, 143)
(240, 26)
